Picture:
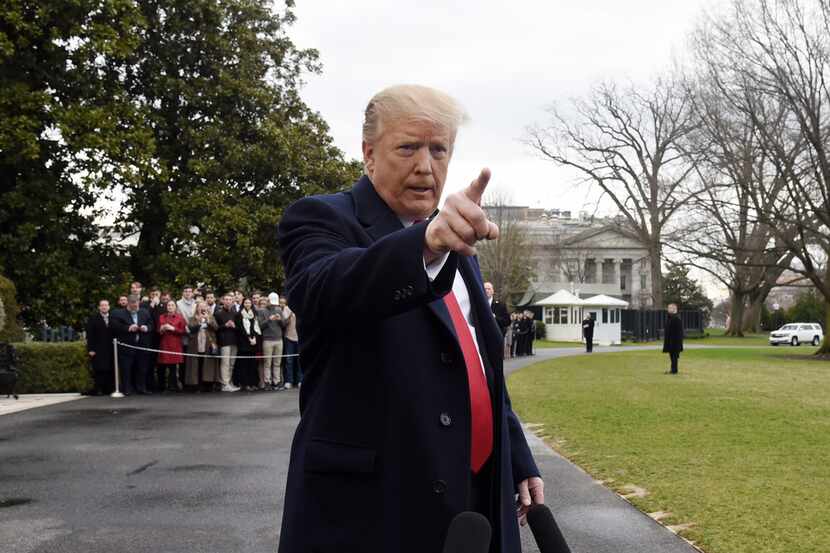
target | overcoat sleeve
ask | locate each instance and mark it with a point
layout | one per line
(120, 324)
(329, 271)
(520, 456)
(90, 334)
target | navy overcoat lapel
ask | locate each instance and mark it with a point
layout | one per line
(379, 220)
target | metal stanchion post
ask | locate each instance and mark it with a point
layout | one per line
(116, 393)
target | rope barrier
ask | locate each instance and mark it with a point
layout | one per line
(207, 356)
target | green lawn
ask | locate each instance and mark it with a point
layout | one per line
(542, 344)
(737, 444)
(715, 338)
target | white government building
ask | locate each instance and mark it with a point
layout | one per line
(598, 264)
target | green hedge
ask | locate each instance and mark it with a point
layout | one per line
(540, 332)
(52, 367)
(10, 330)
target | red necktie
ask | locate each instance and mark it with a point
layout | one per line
(481, 440)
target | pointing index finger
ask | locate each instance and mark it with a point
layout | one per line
(476, 189)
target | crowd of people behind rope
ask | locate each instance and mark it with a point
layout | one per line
(518, 328)
(198, 343)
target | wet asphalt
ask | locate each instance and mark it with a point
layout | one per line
(206, 473)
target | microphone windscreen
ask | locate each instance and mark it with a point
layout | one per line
(545, 530)
(468, 532)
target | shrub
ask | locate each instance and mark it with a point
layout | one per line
(10, 330)
(52, 367)
(540, 330)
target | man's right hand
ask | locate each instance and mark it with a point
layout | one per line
(461, 223)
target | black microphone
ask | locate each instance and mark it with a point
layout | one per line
(469, 532)
(545, 531)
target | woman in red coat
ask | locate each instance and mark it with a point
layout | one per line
(172, 327)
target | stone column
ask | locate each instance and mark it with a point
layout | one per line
(617, 273)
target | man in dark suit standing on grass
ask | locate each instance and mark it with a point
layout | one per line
(405, 418)
(588, 332)
(673, 337)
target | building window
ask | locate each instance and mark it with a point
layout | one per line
(548, 316)
(563, 316)
(622, 282)
(555, 315)
(604, 315)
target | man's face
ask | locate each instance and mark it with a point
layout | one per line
(239, 297)
(132, 305)
(165, 298)
(103, 307)
(227, 301)
(488, 289)
(210, 299)
(122, 301)
(155, 295)
(408, 165)
(283, 302)
(135, 289)
(672, 309)
(255, 298)
(187, 293)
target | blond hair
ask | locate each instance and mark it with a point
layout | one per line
(411, 101)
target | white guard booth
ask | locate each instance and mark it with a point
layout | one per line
(563, 313)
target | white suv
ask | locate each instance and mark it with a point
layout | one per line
(797, 333)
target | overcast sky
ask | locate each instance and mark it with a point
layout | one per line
(504, 61)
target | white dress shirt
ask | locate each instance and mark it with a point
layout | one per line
(459, 288)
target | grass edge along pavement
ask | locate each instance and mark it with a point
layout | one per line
(736, 446)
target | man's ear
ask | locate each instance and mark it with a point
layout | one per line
(368, 158)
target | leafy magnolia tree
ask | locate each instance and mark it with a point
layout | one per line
(686, 292)
(184, 115)
(216, 84)
(52, 78)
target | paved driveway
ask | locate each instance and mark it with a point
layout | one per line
(206, 473)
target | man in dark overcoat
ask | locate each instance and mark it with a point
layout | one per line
(498, 308)
(100, 349)
(673, 337)
(588, 332)
(405, 418)
(134, 327)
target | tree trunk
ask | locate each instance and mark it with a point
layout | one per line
(824, 349)
(751, 323)
(656, 255)
(736, 315)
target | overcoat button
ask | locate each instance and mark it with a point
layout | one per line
(439, 486)
(446, 420)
